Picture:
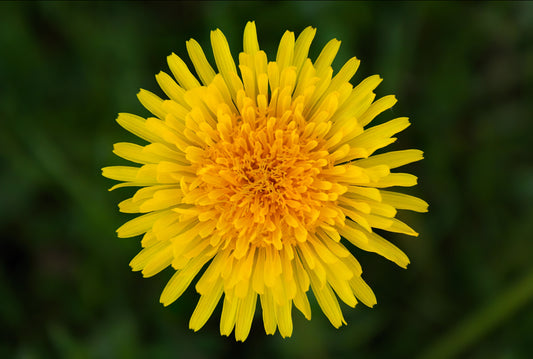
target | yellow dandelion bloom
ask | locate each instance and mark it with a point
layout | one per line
(262, 173)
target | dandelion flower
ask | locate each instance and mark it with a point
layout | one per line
(263, 175)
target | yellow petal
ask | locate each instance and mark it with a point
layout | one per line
(181, 72)
(250, 44)
(212, 273)
(272, 268)
(379, 245)
(361, 206)
(335, 247)
(363, 291)
(224, 60)
(320, 89)
(380, 136)
(301, 46)
(229, 312)
(369, 192)
(144, 256)
(128, 206)
(205, 307)
(273, 79)
(342, 288)
(245, 315)
(376, 108)
(360, 219)
(182, 278)
(359, 100)
(345, 73)
(323, 252)
(328, 302)
(285, 54)
(152, 103)
(326, 57)
(248, 79)
(201, 65)
(284, 318)
(158, 262)
(382, 209)
(178, 111)
(121, 173)
(170, 87)
(302, 303)
(392, 159)
(162, 199)
(133, 152)
(149, 240)
(404, 201)
(400, 227)
(137, 126)
(269, 312)
(353, 265)
(378, 221)
(396, 179)
(140, 224)
(163, 152)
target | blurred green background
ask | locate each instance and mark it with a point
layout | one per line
(463, 73)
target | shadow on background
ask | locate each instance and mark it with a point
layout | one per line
(463, 73)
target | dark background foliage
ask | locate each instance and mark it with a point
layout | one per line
(463, 73)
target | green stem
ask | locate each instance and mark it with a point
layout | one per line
(480, 322)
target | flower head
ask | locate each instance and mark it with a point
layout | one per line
(263, 173)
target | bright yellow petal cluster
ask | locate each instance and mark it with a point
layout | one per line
(257, 171)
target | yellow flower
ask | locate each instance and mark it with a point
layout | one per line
(262, 173)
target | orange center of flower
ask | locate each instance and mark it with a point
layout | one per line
(266, 179)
